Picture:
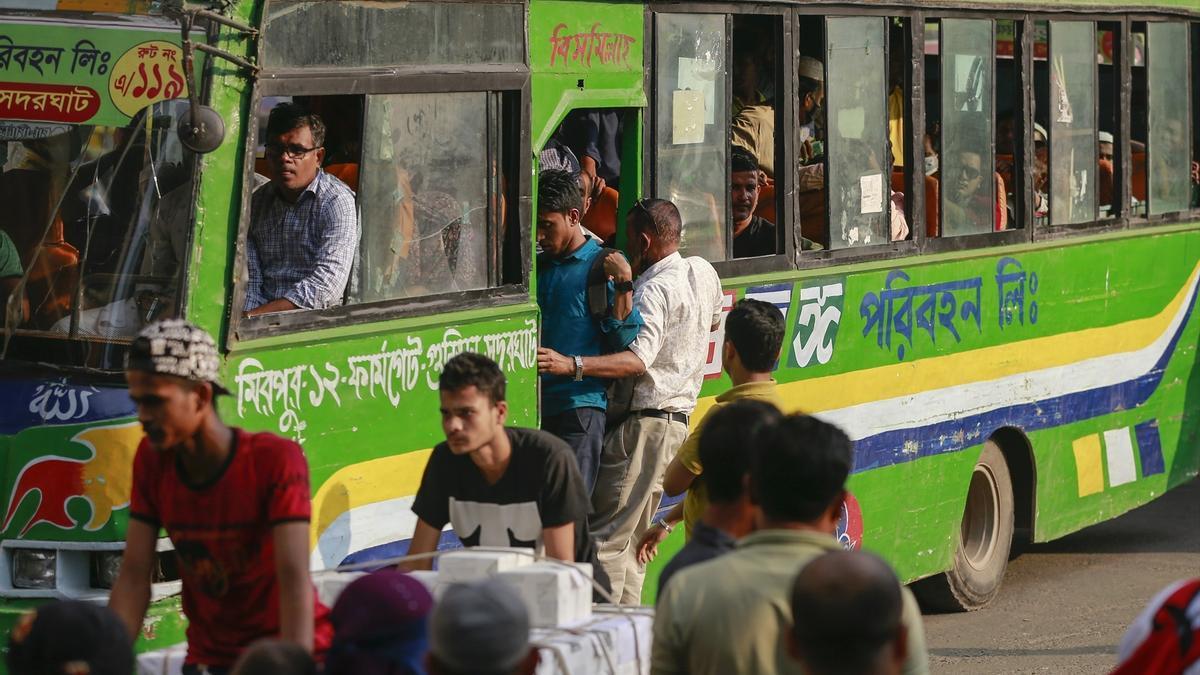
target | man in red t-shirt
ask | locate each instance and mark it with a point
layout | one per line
(236, 506)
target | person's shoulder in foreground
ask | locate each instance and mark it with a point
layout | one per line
(1165, 638)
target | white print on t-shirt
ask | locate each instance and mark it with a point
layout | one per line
(485, 524)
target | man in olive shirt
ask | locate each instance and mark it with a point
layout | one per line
(731, 614)
(753, 337)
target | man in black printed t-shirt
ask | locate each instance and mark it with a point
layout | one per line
(497, 485)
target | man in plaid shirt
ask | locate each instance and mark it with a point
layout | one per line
(303, 225)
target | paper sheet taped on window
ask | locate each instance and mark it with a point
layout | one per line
(687, 117)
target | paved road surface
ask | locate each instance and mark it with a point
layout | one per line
(1065, 604)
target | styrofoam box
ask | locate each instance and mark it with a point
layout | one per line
(429, 579)
(331, 584)
(472, 565)
(555, 594)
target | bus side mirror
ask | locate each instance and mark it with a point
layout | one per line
(201, 129)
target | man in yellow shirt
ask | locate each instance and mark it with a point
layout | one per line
(753, 337)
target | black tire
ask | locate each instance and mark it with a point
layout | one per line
(984, 540)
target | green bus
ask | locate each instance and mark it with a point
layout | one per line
(1012, 350)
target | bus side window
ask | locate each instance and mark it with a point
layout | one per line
(859, 173)
(1108, 81)
(968, 186)
(1071, 113)
(1168, 165)
(1009, 124)
(426, 197)
(691, 124)
(754, 118)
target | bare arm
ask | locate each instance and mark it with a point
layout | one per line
(278, 305)
(424, 540)
(295, 585)
(618, 270)
(678, 478)
(131, 592)
(560, 541)
(610, 366)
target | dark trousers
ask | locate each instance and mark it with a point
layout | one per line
(583, 430)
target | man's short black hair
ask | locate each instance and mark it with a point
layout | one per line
(558, 192)
(800, 468)
(741, 159)
(846, 609)
(727, 444)
(657, 217)
(755, 328)
(287, 116)
(471, 369)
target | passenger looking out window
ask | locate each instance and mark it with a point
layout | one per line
(753, 235)
(966, 203)
(304, 226)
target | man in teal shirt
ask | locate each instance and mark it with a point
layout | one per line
(573, 406)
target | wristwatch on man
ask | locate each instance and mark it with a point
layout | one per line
(623, 286)
(578, 367)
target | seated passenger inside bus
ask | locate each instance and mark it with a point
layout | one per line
(966, 202)
(753, 124)
(811, 174)
(752, 235)
(304, 227)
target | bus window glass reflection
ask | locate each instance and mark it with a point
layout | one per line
(1072, 116)
(1168, 173)
(857, 128)
(691, 126)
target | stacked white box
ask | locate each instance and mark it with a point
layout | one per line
(430, 580)
(556, 594)
(330, 584)
(473, 565)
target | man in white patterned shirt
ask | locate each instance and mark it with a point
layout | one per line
(680, 302)
(304, 226)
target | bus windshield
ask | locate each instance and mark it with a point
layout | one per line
(92, 235)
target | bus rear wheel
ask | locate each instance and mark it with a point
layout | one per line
(984, 540)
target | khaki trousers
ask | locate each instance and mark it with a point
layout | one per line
(628, 490)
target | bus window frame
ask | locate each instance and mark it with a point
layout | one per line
(1123, 160)
(1013, 235)
(784, 143)
(1186, 212)
(506, 80)
(887, 250)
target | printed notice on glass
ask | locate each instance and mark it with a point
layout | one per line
(687, 117)
(700, 75)
(871, 187)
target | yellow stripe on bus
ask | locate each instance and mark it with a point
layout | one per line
(843, 390)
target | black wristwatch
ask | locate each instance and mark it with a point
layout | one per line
(624, 286)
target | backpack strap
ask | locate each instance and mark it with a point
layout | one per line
(597, 285)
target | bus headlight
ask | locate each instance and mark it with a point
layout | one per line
(105, 567)
(34, 568)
